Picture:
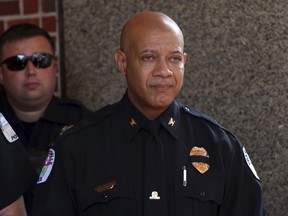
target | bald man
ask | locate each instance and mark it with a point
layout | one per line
(147, 154)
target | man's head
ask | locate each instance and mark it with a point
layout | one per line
(152, 58)
(28, 67)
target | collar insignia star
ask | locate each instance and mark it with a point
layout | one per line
(171, 122)
(132, 122)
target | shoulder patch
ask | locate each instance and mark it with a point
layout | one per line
(249, 163)
(47, 168)
(7, 130)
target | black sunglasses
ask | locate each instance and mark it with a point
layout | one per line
(19, 62)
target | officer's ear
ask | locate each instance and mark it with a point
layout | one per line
(121, 61)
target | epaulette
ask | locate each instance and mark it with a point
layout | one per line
(199, 114)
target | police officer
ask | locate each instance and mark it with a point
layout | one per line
(17, 173)
(147, 154)
(28, 69)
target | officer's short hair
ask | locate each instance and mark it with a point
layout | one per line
(24, 31)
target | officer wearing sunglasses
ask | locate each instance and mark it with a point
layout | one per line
(20, 61)
(28, 69)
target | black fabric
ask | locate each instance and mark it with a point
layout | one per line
(155, 202)
(38, 137)
(112, 148)
(17, 174)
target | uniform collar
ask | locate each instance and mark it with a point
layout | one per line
(54, 112)
(133, 120)
(170, 119)
(9, 114)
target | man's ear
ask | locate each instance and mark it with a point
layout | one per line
(185, 57)
(121, 61)
(55, 64)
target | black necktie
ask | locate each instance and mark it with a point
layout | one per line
(155, 203)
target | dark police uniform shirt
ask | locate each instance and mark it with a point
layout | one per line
(17, 173)
(38, 137)
(97, 168)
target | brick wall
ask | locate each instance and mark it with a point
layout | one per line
(40, 12)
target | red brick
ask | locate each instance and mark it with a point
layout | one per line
(30, 6)
(9, 7)
(49, 5)
(49, 23)
(18, 21)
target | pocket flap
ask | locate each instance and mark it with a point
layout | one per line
(104, 193)
(201, 188)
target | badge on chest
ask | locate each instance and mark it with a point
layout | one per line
(199, 158)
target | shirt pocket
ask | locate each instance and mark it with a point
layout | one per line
(111, 201)
(202, 195)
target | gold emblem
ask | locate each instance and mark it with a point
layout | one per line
(133, 122)
(171, 122)
(65, 128)
(105, 187)
(202, 167)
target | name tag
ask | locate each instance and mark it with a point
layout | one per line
(7, 130)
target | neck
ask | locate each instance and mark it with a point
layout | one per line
(29, 112)
(29, 116)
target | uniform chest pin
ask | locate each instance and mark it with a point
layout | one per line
(132, 122)
(171, 122)
(65, 128)
(154, 196)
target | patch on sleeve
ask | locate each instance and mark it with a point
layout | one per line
(7, 130)
(249, 162)
(47, 168)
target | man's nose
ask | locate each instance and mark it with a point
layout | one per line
(30, 69)
(163, 69)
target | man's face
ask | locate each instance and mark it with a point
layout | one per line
(31, 86)
(154, 70)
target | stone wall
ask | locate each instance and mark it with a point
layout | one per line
(236, 71)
